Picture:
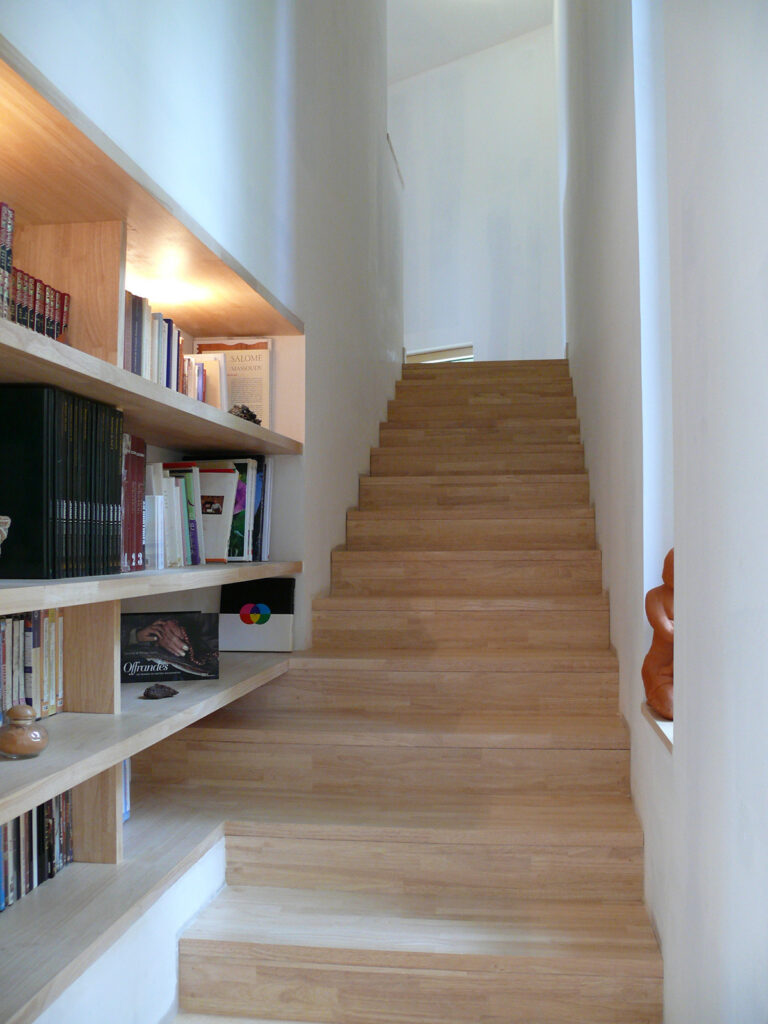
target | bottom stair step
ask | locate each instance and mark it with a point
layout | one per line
(356, 958)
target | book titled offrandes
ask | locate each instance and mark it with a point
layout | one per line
(165, 647)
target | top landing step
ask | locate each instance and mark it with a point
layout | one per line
(510, 368)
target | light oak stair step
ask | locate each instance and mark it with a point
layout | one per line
(320, 688)
(374, 755)
(491, 414)
(580, 620)
(429, 529)
(458, 490)
(489, 369)
(518, 458)
(369, 959)
(523, 866)
(451, 394)
(473, 573)
(538, 431)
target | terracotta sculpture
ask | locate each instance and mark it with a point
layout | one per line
(658, 664)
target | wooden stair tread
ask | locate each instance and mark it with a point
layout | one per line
(418, 729)
(480, 480)
(521, 659)
(462, 603)
(449, 818)
(511, 555)
(440, 932)
(513, 448)
(372, 515)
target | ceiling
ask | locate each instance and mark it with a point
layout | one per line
(424, 34)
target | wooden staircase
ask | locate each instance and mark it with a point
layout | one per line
(434, 821)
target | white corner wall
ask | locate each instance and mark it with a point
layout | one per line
(477, 143)
(717, 959)
(266, 121)
(704, 807)
(603, 328)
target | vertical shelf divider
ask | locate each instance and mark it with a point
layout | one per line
(88, 261)
(97, 818)
(92, 658)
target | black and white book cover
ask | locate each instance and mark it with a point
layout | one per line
(164, 647)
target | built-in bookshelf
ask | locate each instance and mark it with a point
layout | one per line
(89, 221)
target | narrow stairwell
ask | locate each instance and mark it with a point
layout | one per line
(430, 812)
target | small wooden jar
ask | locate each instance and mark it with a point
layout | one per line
(22, 736)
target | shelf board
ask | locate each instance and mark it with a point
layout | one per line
(159, 415)
(59, 929)
(83, 745)
(57, 167)
(18, 596)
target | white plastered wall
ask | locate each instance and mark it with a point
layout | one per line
(266, 121)
(704, 807)
(477, 143)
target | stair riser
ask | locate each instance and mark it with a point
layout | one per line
(470, 391)
(395, 462)
(496, 413)
(523, 432)
(484, 630)
(503, 872)
(377, 771)
(470, 534)
(236, 979)
(355, 690)
(393, 576)
(396, 492)
(492, 369)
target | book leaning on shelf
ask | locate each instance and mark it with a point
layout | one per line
(61, 483)
(247, 364)
(35, 847)
(207, 510)
(32, 661)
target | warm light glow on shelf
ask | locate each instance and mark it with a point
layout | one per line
(166, 282)
(168, 291)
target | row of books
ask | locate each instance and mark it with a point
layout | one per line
(32, 661)
(177, 514)
(221, 371)
(61, 483)
(35, 847)
(24, 298)
(208, 511)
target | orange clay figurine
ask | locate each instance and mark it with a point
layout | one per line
(658, 664)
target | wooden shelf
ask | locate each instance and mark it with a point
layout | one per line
(53, 934)
(28, 595)
(159, 415)
(83, 745)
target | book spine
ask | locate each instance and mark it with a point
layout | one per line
(27, 692)
(49, 311)
(39, 306)
(64, 333)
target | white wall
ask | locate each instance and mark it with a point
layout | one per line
(718, 168)
(704, 808)
(266, 121)
(603, 327)
(477, 143)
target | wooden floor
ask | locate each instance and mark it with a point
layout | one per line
(429, 817)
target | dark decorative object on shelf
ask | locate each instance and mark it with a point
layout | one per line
(157, 691)
(22, 737)
(245, 414)
(658, 667)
